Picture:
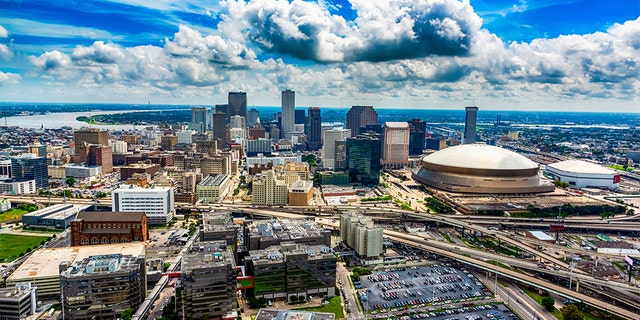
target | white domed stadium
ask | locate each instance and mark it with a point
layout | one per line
(583, 174)
(480, 168)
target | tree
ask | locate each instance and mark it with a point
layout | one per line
(571, 312)
(293, 299)
(70, 181)
(547, 303)
(126, 314)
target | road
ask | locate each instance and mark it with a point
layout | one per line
(349, 300)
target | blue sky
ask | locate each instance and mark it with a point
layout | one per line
(439, 54)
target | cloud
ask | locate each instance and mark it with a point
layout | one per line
(382, 31)
(5, 52)
(8, 78)
(3, 32)
(52, 60)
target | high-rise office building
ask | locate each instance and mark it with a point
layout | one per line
(199, 118)
(470, 125)
(314, 128)
(417, 131)
(268, 190)
(363, 159)
(288, 112)
(237, 104)
(396, 145)
(301, 116)
(220, 129)
(239, 122)
(90, 136)
(360, 116)
(29, 167)
(208, 281)
(223, 108)
(102, 286)
(252, 117)
(329, 147)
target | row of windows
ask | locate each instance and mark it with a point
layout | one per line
(112, 225)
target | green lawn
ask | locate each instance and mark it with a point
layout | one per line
(12, 214)
(556, 313)
(334, 307)
(12, 245)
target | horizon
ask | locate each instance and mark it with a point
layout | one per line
(577, 55)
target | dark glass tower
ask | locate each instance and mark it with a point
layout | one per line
(417, 131)
(363, 159)
(470, 125)
(359, 117)
(315, 128)
(30, 167)
(237, 104)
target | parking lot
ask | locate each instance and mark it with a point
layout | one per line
(419, 287)
(489, 311)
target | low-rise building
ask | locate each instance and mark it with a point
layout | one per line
(213, 188)
(90, 228)
(292, 269)
(57, 216)
(283, 314)
(301, 193)
(17, 186)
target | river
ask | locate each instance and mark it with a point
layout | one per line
(57, 120)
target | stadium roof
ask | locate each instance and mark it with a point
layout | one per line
(581, 166)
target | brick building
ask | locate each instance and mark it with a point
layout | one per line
(108, 227)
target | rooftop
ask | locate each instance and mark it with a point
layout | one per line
(110, 216)
(581, 166)
(480, 156)
(540, 235)
(57, 211)
(282, 314)
(214, 181)
(208, 254)
(399, 125)
(43, 263)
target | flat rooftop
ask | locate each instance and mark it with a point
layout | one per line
(214, 181)
(281, 314)
(58, 211)
(43, 263)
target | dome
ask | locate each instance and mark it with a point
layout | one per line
(480, 156)
(480, 168)
(580, 166)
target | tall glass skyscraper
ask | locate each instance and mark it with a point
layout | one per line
(470, 125)
(288, 112)
(237, 104)
(363, 159)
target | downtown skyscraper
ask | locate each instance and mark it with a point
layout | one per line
(288, 112)
(315, 128)
(471, 117)
(359, 117)
(237, 104)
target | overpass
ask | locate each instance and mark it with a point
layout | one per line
(538, 283)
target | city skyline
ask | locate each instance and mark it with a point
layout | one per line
(507, 55)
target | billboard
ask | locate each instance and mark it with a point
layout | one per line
(616, 178)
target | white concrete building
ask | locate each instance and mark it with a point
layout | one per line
(582, 174)
(119, 146)
(156, 202)
(359, 233)
(186, 136)
(213, 188)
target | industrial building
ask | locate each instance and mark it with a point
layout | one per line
(213, 188)
(156, 202)
(292, 270)
(261, 234)
(58, 216)
(102, 286)
(359, 233)
(480, 168)
(208, 279)
(91, 228)
(583, 174)
(41, 268)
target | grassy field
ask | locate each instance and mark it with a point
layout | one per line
(12, 214)
(333, 307)
(12, 245)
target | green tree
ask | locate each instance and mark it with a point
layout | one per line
(571, 312)
(166, 266)
(126, 314)
(70, 181)
(293, 299)
(547, 303)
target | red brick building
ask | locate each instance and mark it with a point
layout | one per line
(90, 228)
